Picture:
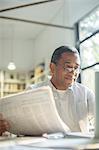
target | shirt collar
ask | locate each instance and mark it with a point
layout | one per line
(52, 86)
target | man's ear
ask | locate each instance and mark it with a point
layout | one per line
(52, 68)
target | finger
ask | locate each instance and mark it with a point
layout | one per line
(1, 116)
(4, 125)
(2, 128)
(2, 131)
(7, 125)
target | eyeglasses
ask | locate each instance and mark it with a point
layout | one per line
(68, 69)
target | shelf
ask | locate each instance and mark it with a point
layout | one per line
(11, 83)
(8, 91)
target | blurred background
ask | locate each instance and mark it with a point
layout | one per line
(31, 30)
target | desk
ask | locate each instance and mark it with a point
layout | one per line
(40, 143)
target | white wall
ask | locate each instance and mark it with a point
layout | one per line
(22, 51)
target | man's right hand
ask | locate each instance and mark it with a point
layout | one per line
(4, 125)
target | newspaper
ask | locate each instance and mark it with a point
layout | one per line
(32, 112)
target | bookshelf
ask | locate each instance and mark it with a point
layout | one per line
(38, 74)
(11, 83)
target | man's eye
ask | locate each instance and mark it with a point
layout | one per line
(67, 66)
(75, 67)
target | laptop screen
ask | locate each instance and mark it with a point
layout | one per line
(97, 104)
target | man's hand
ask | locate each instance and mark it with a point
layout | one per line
(4, 125)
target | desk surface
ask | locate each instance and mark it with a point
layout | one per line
(40, 143)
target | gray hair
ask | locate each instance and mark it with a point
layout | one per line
(60, 50)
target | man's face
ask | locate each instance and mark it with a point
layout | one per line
(66, 71)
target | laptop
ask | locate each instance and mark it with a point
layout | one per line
(97, 105)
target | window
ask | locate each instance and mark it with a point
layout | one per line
(89, 51)
(89, 24)
(88, 44)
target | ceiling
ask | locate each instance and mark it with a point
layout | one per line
(34, 14)
(23, 21)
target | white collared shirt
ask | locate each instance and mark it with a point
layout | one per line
(74, 105)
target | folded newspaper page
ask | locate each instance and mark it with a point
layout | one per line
(32, 112)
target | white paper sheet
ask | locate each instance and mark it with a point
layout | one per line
(32, 112)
